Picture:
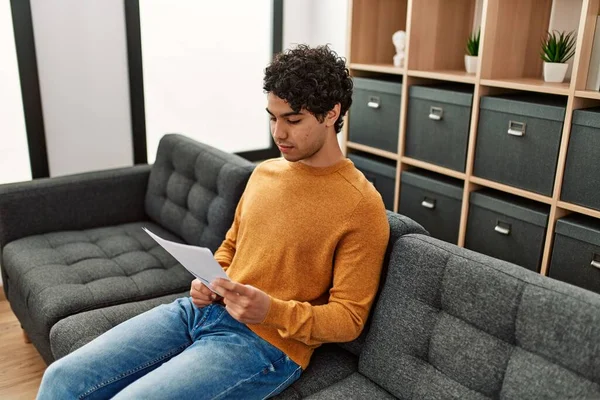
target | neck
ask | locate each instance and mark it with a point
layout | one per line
(328, 155)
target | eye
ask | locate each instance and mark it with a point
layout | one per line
(272, 119)
(294, 122)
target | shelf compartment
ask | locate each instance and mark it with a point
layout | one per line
(513, 33)
(373, 22)
(439, 30)
(445, 75)
(381, 67)
(529, 84)
(578, 209)
(432, 167)
(510, 189)
(372, 150)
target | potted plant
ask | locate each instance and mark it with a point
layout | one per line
(472, 56)
(557, 49)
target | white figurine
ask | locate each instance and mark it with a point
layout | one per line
(399, 40)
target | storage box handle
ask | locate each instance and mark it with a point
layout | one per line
(516, 128)
(428, 203)
(374, 102)
(502, 227)
(436, 113)
(595, 261)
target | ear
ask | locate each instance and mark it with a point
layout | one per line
(332, 115)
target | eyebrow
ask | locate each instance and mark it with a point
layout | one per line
(287, 114)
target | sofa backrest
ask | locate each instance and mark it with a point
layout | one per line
(399, 225)
(194, 189)
(452, 323)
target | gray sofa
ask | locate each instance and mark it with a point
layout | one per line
(448, 323)
(75, 243)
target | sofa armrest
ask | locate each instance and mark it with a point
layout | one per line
(72, 202)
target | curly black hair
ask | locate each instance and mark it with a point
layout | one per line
(315, 79)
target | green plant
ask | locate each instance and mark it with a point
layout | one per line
(473, 44)
(558, 47)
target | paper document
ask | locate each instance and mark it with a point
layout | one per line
(198, 260)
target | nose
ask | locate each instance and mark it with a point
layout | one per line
(278, 130)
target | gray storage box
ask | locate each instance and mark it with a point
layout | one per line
(576, 252)
(581, 184)
(374, 117)
(507, 227)
(432, 200)
(518, 139)
(438, 124)
(380, 172)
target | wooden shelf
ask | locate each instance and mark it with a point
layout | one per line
(383, 68)
(588, 94)
(509, 189)
(445, 75)
(372, 150)
(579, 209)
(433, 168)
(530, 85)
(509, 60)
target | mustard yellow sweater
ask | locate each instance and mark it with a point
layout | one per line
(314, 240)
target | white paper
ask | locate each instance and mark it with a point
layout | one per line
(198, 260)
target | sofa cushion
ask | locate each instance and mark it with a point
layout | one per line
(194, 189)
(70, 333)
(329, 364)
(356, 386)
(399, 225)
(457, 324)
(59, 274)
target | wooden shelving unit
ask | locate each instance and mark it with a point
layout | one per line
(509, 62)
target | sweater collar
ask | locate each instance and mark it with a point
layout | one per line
(317, 171)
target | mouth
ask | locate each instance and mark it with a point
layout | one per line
(285, 148)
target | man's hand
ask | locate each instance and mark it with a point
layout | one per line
(201, 295)
(245, 303)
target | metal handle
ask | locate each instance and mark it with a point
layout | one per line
(595, 261)
(436, 113)
(502, 228)
(428, 203)
(516, 128)
(374, 102)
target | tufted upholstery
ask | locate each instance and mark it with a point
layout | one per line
(59, 274)
(189, 195)
(451, 323)
(193, 190)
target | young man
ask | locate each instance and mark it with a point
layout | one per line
(304, 256)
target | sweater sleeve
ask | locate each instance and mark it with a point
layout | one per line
(356, 272)
(225, 252)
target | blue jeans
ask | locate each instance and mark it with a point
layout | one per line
(174, 351)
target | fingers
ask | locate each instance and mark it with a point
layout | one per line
(230, 290)
(200, 294)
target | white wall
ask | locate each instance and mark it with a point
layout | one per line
(316, 22)
(14, 154)
(81, 52)
(204, 64)
(82, 62)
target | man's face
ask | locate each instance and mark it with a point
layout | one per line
(299, 136)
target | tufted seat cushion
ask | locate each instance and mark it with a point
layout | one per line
(63, 273)
(453, 322)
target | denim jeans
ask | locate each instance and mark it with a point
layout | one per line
(174, 351)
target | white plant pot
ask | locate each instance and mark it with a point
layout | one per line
(555, 72)
(471, 63)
